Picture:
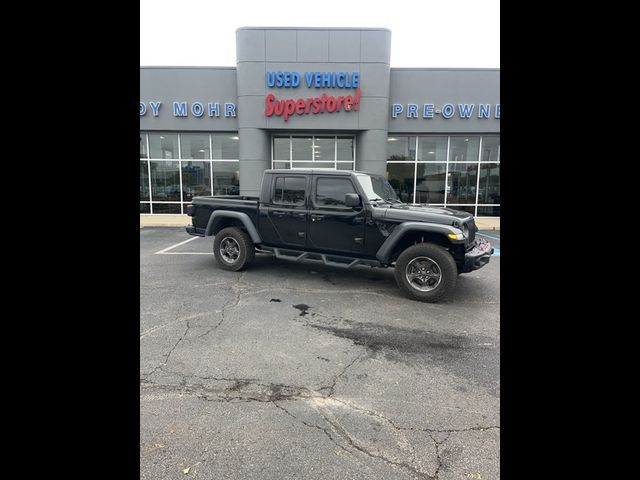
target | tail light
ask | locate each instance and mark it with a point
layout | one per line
(191, 210)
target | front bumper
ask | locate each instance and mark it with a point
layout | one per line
(478, 256)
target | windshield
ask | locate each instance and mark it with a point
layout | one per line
(376, 187)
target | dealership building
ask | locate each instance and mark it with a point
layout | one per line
(318, 98)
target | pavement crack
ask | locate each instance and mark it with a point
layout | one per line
(337, 377)
(438, 454)
(237, 295)
(340, 432)
(178, 320)
(324, 430)
(368, 412)
(352, 442)
(166, 358)
(186, 330)
(450, 430)
(232, 390)
(246, 390)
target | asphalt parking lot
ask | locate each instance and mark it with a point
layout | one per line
(298, 370)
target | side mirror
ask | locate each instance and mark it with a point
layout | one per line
(352, 200)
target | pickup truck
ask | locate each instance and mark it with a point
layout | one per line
(343, 219)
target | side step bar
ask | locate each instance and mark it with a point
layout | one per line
(328, 259)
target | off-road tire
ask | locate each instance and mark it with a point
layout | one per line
(234, 237)
(445, 266)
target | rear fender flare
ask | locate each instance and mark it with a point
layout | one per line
(217, 215)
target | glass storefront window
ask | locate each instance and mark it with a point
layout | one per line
(401, 176)
(144, 181)
(281, 146)
(489, 186)
(195, 145)
(226, 146)
(163, 145)
(166, 208)
(226, 178)
(490, 211)
(432, 149)
(165, 181)
(314, 164)
(196, 180)
(473, 166)
(143, 145)
(301, 148)
(466, 179)
(320, 151)
(324, 149)
(345, 148)
(464, 149)
(461, 183)
(464, 208)
(400, 148)
(189, 156)
(430, 182)
(490, 149)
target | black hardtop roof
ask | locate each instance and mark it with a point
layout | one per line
(315, 171)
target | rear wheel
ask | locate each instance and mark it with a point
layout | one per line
(233, 249)
(426, 272)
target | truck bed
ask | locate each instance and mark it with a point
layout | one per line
(237, 203)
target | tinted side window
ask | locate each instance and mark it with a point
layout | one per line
(289, 190)
(330, 192)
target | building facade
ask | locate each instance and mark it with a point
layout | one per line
(318, 98)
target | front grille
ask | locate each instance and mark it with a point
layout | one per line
(472, 230)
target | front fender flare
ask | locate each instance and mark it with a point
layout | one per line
(384, 252)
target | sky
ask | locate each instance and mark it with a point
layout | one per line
(424, 33)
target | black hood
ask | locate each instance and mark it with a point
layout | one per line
(420, 213)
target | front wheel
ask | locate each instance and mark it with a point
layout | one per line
(233, 249)
(426, 272)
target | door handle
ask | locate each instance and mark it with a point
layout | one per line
(278, 214)
(316, 217)
(301, 215)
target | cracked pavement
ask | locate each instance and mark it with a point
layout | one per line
(298, 370)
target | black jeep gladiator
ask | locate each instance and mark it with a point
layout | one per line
(343, 219)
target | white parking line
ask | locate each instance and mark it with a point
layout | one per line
(176, 245)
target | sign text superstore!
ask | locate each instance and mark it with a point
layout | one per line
(319, 104)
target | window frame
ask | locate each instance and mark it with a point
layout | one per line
(479, 162)
(180, 161)
(311, 161)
